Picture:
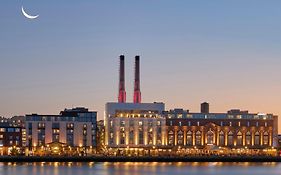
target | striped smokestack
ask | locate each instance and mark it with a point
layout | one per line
(137, 92)
(122, 92)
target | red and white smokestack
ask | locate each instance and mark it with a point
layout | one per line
(122, 92)
(137, 92)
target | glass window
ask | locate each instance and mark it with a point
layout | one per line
(198, 138)
(210, 137)
(239, 139)
(189, 138)
(230, 138)
(257, 138)
(171, 138)
(265, 138)
(248, 138)
(180, 138)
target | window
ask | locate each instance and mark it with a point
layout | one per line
(11, 129)
(210, 137)
(265, 138)
(257, 138)
(158, 123)
(55, 125)
(189, 138)
(150, 135)
(198, 138)
(140, 134)
(230, 138)
(248, 138)
(131, 136)
(221, 138)
(171, 138)
(239, 139)
(180, 138)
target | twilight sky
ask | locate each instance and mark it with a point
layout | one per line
(223, 52)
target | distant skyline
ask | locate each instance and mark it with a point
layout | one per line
(225, 53)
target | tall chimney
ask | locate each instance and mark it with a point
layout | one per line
(122, 92)
(137, 92)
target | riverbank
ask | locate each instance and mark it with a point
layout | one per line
(140, 159)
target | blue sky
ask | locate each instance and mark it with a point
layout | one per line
(223, 52)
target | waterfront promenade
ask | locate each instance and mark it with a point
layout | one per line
(141, 159)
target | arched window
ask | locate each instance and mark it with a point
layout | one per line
(210, 137)
(189, 138)
(239, 139)
(257, 138)
(198, 138)
(171, 138)
(248, 138)
(180, 138)
(265, 138)
(221, 138)
(230, 138)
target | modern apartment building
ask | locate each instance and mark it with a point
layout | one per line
(72, 131)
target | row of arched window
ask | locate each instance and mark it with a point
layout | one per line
(195, 138)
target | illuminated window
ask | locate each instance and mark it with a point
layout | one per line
(150, 135)
(131, 136)
(158, 123)
(257, 138)
(239, 139)
(189, 138)
(265, 138)
(210, 137)
(180, 138)
(198, 138)
(248, 138)
(221, 138)
(171, 138)
(230, 138)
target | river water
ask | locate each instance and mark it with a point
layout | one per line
(130, 168)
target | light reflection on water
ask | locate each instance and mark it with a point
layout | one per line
(138, 168)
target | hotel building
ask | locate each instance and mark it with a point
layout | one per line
(134, 128)
(72, 131)
(211, 132)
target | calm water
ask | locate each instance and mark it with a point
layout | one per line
(140, 168)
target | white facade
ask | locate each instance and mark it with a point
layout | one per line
(135, 125)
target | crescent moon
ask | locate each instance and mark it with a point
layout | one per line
(27, 15)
